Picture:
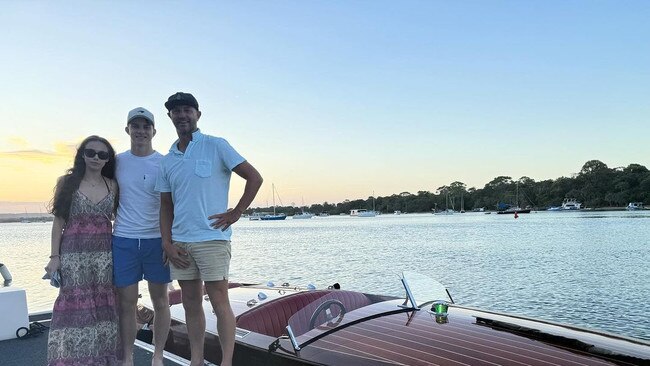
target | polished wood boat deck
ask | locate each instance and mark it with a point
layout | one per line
(467, 336)
(415, 338)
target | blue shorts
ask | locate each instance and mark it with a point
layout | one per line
(135, 259)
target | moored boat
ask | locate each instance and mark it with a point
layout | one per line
(256, 216)
(366, 213)
(303, 215)
(446, 211)
(362, 212)
(571, 204)
(504, 208)
(273, 217)
(266, 216)
(634, 206)
(298, 326)
(513, 210)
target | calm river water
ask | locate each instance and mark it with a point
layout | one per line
(589, 269)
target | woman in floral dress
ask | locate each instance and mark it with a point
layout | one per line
(84, 329)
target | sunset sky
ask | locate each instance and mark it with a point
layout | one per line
(331, 100)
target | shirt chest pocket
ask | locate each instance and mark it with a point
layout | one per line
(149, 182)
(203, 168)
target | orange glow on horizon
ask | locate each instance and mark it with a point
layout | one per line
(30, 175)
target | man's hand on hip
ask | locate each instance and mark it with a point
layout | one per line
(224, 220)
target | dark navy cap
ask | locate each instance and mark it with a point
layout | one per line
(181, 98)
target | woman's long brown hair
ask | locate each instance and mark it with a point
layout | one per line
(60, 204)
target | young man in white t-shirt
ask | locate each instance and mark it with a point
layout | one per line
(137, 245)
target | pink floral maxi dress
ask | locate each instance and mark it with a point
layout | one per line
(84, 329)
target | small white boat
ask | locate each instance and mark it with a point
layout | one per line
(255, 216)
(571, 204)
(265, 216)
(362, 212)
(397, 212)
(303, 215)
(634, 206)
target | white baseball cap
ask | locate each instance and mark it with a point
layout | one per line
(140, 113)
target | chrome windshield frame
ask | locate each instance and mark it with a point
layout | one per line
(409, 295)
(422, 287)
(400, 308)
(292, 338)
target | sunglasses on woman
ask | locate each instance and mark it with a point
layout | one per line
(90, 153)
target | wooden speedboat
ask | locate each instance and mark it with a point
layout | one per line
(287, 325)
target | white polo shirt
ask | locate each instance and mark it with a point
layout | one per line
(139, 209)
(199, 181)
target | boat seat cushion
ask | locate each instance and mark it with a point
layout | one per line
(271, 319)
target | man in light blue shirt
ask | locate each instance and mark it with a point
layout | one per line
(195, 222)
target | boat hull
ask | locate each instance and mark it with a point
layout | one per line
(512, 212)
(382, 332)
(273, 218)
(303, 216)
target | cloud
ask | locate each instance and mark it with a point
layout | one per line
(62, 152)
(18, 142)
(34, 155)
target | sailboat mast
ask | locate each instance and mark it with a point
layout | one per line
(273, 189)
(447, 202)
(517, 195)
(462, 203)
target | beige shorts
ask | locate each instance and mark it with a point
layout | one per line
(209, 261)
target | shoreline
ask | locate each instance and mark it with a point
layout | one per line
(36, 218)
(26, 218)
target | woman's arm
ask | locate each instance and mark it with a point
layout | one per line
(57, 233)
(115, 188)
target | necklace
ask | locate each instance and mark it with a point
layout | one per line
(91, 183)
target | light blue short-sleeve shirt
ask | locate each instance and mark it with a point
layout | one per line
(199, 181)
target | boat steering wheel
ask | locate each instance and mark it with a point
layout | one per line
(328, 314)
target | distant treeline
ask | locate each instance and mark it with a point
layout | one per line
(595, 186)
